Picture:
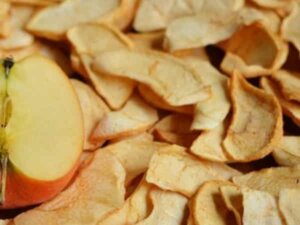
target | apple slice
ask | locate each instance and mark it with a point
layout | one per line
(41, 131)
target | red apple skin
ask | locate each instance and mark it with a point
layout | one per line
(23, 191)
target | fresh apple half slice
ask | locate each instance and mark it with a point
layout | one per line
(41, 131)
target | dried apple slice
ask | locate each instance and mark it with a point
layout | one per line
(151, 40)
(135, 117)
(260, 208)
(257, 117)
(97, 190)
(289, 206)
(270, 180)
(21, 53)
(167, 76)
(208, 207)
(287, 153)
(290, 26)
(135, 208)
(36, 2)
(135, 153)
(173, 169)
(93, 109)
(157, 101)
(289, 83)
(254, 51)
(208, 145)
(273, 4)
(168, 208)
(51, 22)
(289, 108)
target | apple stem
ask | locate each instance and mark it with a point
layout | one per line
(3, 161)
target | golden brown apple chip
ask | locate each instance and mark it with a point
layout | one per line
(260, 208)
(208, 145)
(208, 207)
(135, 154)
(271, 180)
(289, 205)
(173, 169)
(290, 26)
(289, 83)
(168, 208)
(136, 208)
(254, 51)
(37, 2)
(157, 101)
(97, 190)
(287, 153)
(151, 40)
(135, 117)
(257, 117)
(233, 200)
(54, 21)
(175, 129)
(93, 110)
(211, 112)
(85, 40)
(167, 76)
(289, 108)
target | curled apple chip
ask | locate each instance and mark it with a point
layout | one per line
(233, 200)
(208, 207)
(287, 153)
(270, 180)
(171, 168)
(290, 26)
(151, 40)
(175, 129)
(135, 117)
(166, 75)
(257, 117)
(97, 190)
(289, 84)
(254, 51)
(51, 22)
(168, 208)
(135, 208)
(208, 145)
(135, 153)
(93, 110)
(260, 208)
(289, 205)
(289, 108)
(157, 101)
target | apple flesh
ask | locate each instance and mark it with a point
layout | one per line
(41, 133)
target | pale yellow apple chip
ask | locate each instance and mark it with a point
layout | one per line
(289, 108)
(260, 208)
(254, 51)
(290, 26)
(173, 169)
(135, 208)
(175, 129)
(257, 117)
(93, 109)
(151, 40)
(289, 83)
(85, 40)
(289, 205)
(233, 200)
(287, 153)
(157, 101)
(208, 207)
(167, 76)
(135, 117)
(54, 21)
(135, 153)
(208, 145)
(168, 208)
(270, 180)
(97, 190)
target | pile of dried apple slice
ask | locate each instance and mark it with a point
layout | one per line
(147, 112)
